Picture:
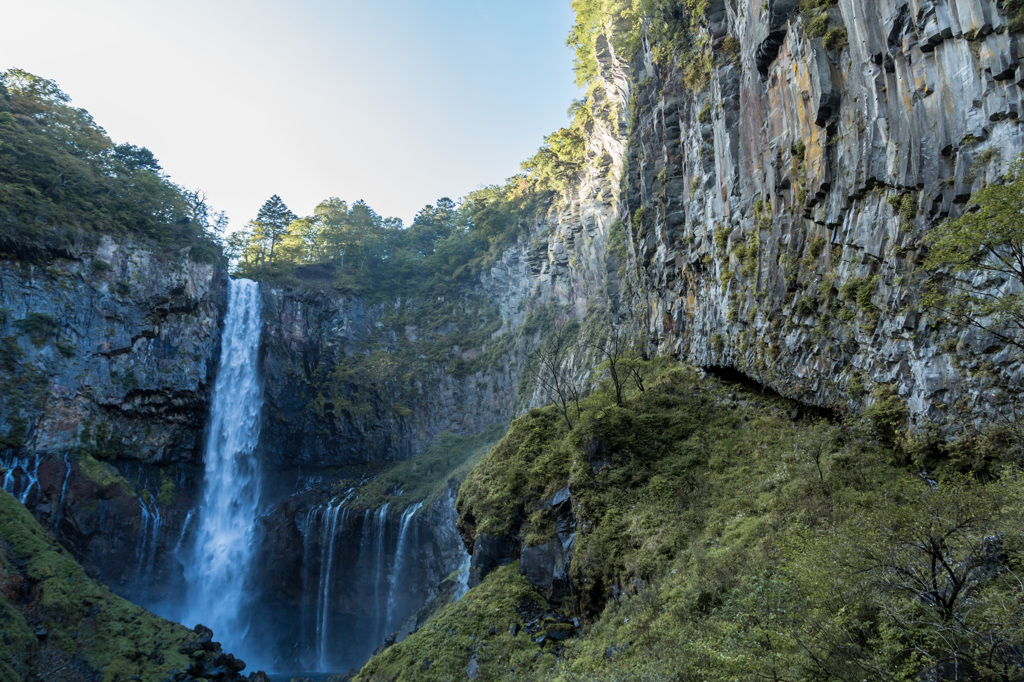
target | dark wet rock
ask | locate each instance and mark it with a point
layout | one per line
(490, 552)
(546, 566)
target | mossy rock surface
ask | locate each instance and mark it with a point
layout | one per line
(493, 630)
(58, 624)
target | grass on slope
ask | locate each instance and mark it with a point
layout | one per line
(426, 477)
(488, 626)
(718, 539)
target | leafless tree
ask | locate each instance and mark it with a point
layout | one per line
(556, 378)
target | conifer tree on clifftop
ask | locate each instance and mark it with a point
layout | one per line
(271, 224)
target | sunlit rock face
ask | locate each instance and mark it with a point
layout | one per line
(792, 171)
(774, 213)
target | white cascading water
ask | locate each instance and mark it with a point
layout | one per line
(328, 533)
(22, 475)
(399, 567)
(217, 572)
(380, 528)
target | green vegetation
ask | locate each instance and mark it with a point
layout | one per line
(988, 239)
(674, 29)
(487, 626)
(740, 545)
(23, 389)
(859, 290)
(103, 474)
(63, 181)
(905, 206)
(39, 327)
(555, 167)
(55, 616)
(819, 23)
(353, 250)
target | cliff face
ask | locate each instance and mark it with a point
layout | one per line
(112, 350)
(778, 206)
(347, 384)
(107, 360)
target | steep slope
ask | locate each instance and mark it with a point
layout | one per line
(697, 531)
(60, 624)
(784, 165)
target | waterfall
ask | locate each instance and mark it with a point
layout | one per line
(329, 528)
(381, 526)
(28, 476)
(184, 530)
(396, 572)
(364, 573)
(216, 575)
(148, 537)
(63, 493)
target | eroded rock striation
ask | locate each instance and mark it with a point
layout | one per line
(778, 207)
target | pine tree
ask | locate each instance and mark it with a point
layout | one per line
(271, 224)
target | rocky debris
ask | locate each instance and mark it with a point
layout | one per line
(546, 626)
(209, 662)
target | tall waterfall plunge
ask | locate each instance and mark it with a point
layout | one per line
(216, 575)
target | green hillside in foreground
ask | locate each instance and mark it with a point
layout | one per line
(59, 625)
(722, 536)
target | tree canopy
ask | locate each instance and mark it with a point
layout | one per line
(63, 180)
(351, 248)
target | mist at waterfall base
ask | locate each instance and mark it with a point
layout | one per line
(306, 583)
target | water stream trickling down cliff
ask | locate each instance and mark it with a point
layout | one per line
(217, 572)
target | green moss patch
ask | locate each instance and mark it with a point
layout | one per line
(53, 615)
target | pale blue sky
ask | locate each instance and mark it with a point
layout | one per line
(397, 102)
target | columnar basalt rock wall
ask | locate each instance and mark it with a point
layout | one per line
(563, 262)
(794, 169)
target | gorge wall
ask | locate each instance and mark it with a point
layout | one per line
(107, 362)
(778, 203)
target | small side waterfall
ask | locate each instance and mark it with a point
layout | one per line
(63, 492)
(380, 528)
(216, 574)
(22, 476)
(399, 567)
(149, 536)
(365, 572)
(328, 534)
